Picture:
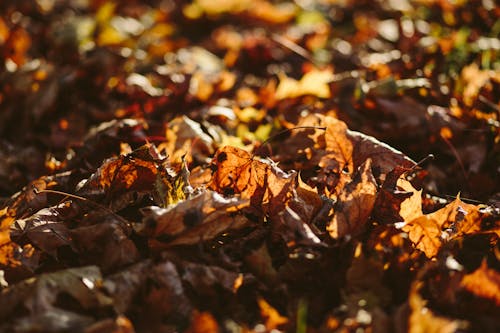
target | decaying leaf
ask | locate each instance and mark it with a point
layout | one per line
(355, 204)
(43, 300)
(247, 166)
(108, 242)
(133, 172)
(198, 219)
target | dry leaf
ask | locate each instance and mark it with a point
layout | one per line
(261, 181)
(273, 319)
(429, 232)
(354, 205)
(200, 218)
(424, 320)
(484, 282)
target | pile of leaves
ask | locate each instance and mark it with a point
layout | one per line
(249, 166)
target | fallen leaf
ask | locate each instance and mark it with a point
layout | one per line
(423, 320)
(202, 322)
(484, 282)
(200, 218)
(235, 171)
(40, 298)
(314, 82)
(354, 205)
(104, 244)
(273, 319)
(44, 229)
(428, 232)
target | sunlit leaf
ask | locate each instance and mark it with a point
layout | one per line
(355, 204)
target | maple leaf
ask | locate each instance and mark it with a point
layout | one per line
(235, 171)
(186, 141)
(355, 204)
(339, 151)
(135, 171)
(428, 232)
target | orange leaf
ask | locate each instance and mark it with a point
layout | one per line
(203, 322)
(484, 282)
(428, 232)
(424, 320)
(272, 317)
(237, 172)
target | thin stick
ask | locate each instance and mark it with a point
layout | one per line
(293, 47)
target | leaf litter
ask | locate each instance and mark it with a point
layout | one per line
(236, 166)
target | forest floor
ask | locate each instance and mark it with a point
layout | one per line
(249, 166)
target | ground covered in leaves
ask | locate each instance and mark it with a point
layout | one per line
(249, 166)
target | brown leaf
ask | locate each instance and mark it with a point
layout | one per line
(40, 298)
(355, 204)
(260, 264)
(200, 218)
(429, 232)
(44, 229)
(104, 244)
(124, 286)
(364, 281)
(293, 229)
(261, 181)
(208, 280)
(423, 320)
(164, 303)
(132, 172)
(339, 151)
